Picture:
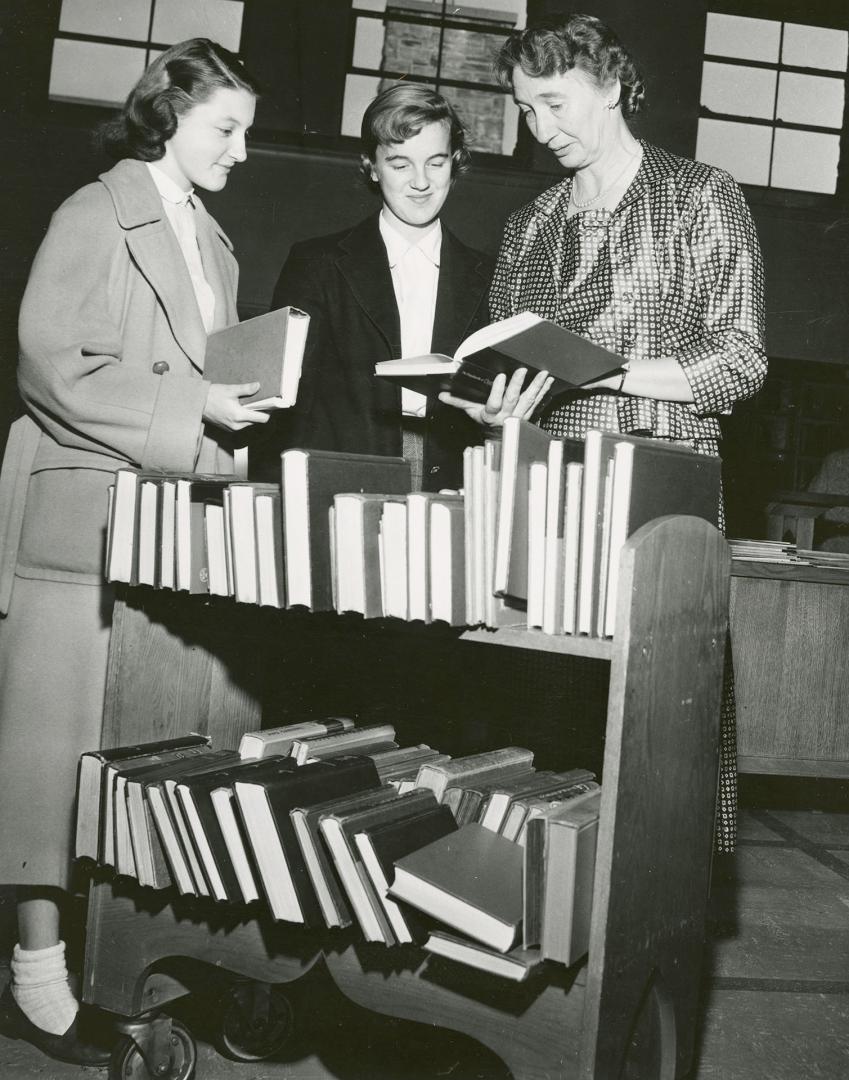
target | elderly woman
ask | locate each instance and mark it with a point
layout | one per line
(649, 254)
(131, 277)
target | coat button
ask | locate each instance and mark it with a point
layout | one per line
(160, 367)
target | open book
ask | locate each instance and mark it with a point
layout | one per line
(523, 340)
(267, 349)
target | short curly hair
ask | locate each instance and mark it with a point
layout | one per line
(560, 43)
(185, 75)
(400, 112)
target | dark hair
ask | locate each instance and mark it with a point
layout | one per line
(560, 43)
(183, 76)
(399, 113)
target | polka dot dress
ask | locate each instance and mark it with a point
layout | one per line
(674, 270)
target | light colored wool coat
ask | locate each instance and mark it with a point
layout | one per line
(109, 296)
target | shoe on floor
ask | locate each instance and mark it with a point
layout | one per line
(70, 1047)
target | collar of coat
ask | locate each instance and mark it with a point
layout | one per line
(140, 213)
(463, 283)
(136, 199)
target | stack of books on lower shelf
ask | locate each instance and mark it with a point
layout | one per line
(330, 824)
(534, 539)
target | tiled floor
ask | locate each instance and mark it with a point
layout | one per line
(776, 988)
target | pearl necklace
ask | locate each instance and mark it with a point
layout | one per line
(605, 191)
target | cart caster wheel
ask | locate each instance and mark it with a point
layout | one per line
(256, 1022)
(127, 1062)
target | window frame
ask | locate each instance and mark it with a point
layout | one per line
(814, 13)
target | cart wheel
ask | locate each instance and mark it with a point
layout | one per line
(256, 1021)
(127, 1062)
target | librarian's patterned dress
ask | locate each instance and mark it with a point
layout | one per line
(674, 270)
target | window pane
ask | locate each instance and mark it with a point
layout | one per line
(359, 90)
(815, 47)
(369, 5)
(490, 124)
(806, 161)
(106, 18)
(93, 72)
(176, 20)
(744, 39)
(468, 55)
(742, 149)
(369, 37)
(740, 91)
(810, 99)
(411, 48)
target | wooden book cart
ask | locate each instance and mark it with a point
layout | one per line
(630, 1010)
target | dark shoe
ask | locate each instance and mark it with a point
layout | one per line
(15, 1024)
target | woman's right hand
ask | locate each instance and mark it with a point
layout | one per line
(224, 408)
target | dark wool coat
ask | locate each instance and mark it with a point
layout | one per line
(345, 283)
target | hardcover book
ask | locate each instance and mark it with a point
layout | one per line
(265, 803)
(310, 480)
(267, 349)
(472, 766)
(517, 964)
(89, 785)
(381, 844)
(306, 820)
(471, 880)
(521, 341)
(339, 830)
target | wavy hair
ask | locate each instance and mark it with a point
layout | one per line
(399, 113)
(560, 43)
(185, 75)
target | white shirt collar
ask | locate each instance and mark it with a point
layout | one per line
(169, 190)
(397, 246)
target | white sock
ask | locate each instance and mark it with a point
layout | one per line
(40, 987)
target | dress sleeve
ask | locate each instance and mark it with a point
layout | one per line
(71, 374)
(729, 363)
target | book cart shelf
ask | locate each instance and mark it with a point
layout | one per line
(629, 1010)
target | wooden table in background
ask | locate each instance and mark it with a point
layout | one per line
(790, 640)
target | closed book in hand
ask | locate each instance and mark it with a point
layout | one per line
(470, 880)
(267, 349)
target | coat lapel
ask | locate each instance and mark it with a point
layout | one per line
(463, 282)
(154, 248)
(365, 267)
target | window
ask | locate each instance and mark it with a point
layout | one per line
(773, 101)
(448, 46)
(103, 46)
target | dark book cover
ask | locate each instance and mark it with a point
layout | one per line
(267, 349)
(278, 856)
(89, 784)
(193, 493)
(310, 480)
(381, 844)
(651, 479)
(522, 444)
(128, 768)
(339, 830)
(358, 574)
(523, 341)
(471, 880)
(197, 787)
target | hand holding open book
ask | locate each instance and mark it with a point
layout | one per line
(524, 341)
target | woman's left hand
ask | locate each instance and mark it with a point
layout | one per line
(505, 399)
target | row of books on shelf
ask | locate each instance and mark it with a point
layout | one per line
(331, 824)
(534, 538)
